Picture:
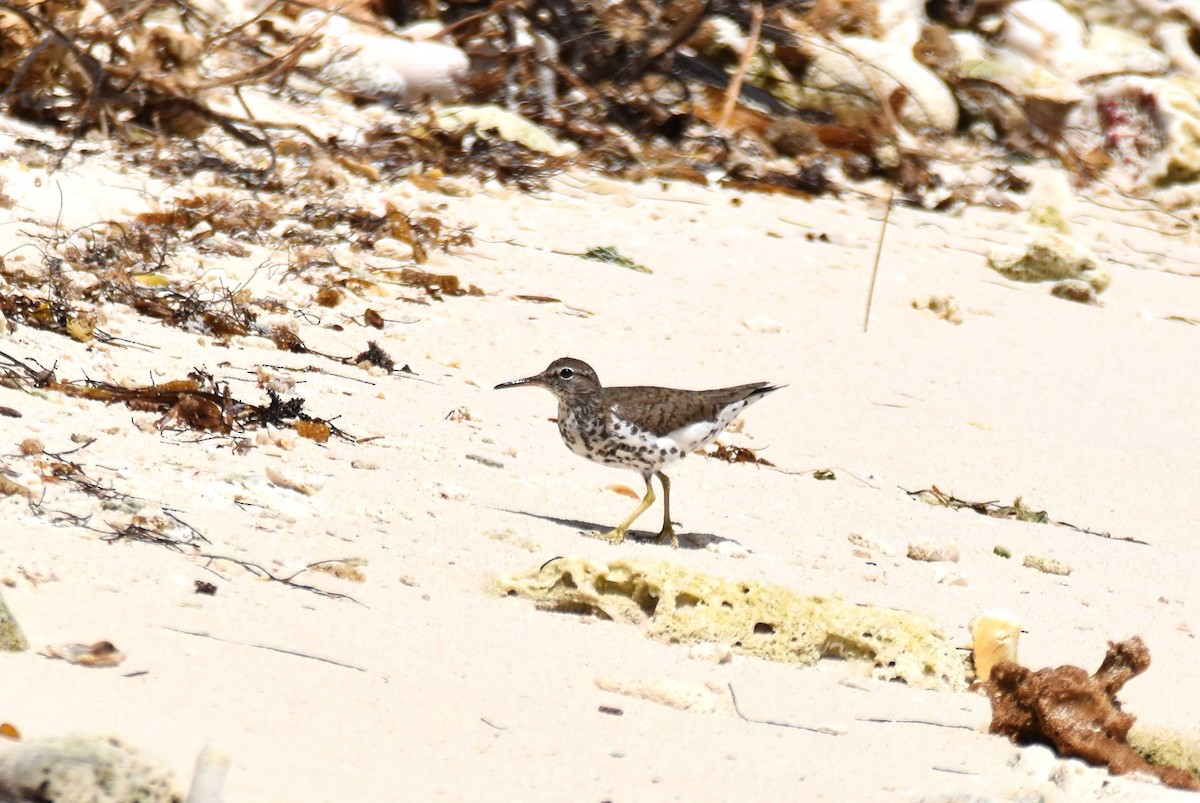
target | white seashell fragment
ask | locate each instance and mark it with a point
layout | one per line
(208, 781)
(994, 636)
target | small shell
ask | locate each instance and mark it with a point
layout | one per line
(100, 654)
(995, 634)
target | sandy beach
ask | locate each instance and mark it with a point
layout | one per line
(416, 681)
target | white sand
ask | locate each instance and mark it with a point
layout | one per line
(1089, 413)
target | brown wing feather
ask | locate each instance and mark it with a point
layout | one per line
(663, 410)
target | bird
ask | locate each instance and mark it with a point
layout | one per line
(640, 428)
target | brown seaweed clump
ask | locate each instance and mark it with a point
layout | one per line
(1077, 715)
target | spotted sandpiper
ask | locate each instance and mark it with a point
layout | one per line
(639, 428)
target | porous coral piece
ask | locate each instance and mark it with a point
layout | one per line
(82, 768)
(1049, 256)
(1077, 715)
(772, 622)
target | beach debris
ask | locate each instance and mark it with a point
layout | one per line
(205, 587)
(198, 402)
(872, 543)
(1144, 125)
(700, 697)
(947, 577)
(507, 125)
(10, 731)
(437, 285)
(1163, 747)
(933, 550)
(790, 98)
(208, 779)
(281, 478)
(1075, 290)
(9, 487)
(994, 637)
(1002, 551)
(484, 460)
(610, 255)
(132, 519)
(318, 431)
(735, 454)
(459, 415)
(1077, 714)
(79, 768)
(1046, 565)
(1049, 256)
(329, 297)
(11, 637)
(343, 568)
(944, 307)
(374, 355)
(1018, 510)
(711, 652)
(373, 63)
(679, 605)
(98, 655)
(863, 76)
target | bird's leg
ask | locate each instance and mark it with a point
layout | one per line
(667, 529)
(617, 535)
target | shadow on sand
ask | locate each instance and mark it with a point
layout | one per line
(594, 530)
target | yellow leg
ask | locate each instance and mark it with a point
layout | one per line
(617, 535)
(667, 529)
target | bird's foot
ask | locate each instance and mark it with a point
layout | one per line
(668, 532)
(614, 536)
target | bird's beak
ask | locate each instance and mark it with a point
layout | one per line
(529, 380)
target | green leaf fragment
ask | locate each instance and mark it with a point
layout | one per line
(610, 255)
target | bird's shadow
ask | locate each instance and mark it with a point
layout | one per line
(686, 540)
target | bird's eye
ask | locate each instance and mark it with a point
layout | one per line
(566, 373)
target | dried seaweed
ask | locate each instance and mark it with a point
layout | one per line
(437, 285)
(70, 68)
(640, 90)
(1017, 510)
(198, 403)
(737, 454)
(423, 233)
(151, 525)
(693, 90)
(376, 356)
